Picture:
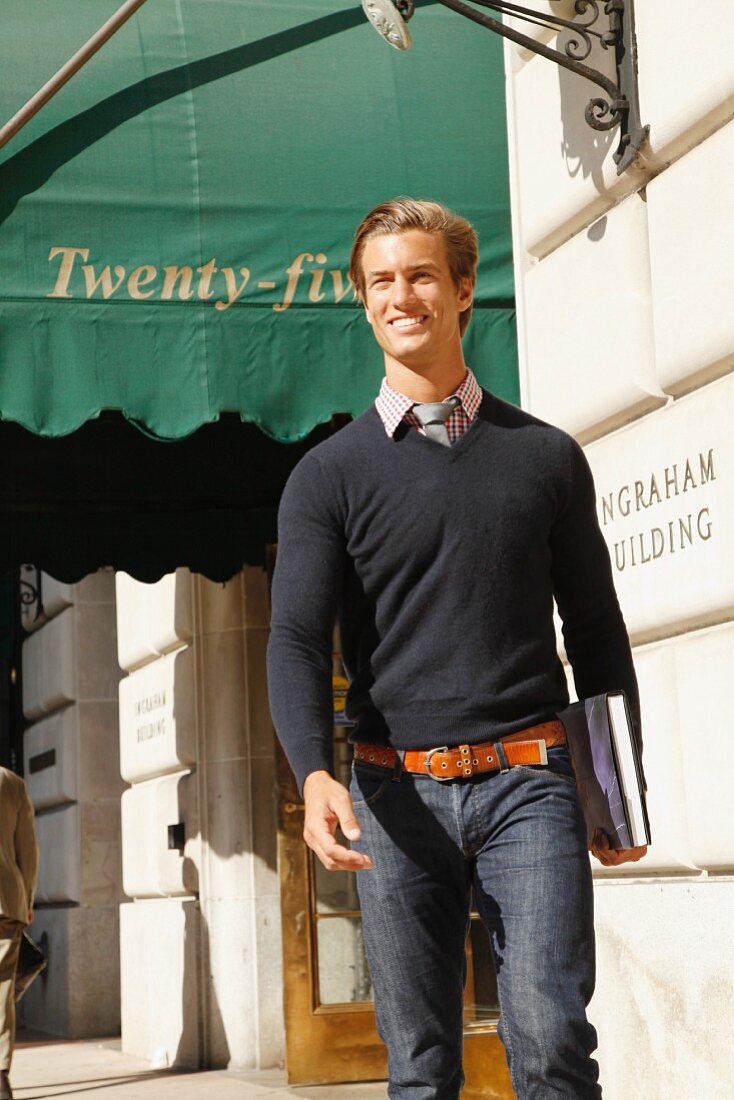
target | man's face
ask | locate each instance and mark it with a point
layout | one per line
(411, 300)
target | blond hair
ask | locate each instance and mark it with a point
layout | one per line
(400, 215)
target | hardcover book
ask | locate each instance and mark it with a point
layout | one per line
(606, 761)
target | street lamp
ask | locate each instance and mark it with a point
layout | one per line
(620, 104)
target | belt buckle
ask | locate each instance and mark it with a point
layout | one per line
(542, 750)
(427, 764)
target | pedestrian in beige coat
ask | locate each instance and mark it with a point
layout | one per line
(18, 873)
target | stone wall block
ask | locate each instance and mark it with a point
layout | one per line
(78, 997)
(577, 377)
(256, 596)
(261, 731)
(224, 697)
(271, 1032)
(220, 605)
(58, 832)
(98, 672)
(99, 764)
(158, 717)
(232, 991)
(80, 854)
(566, 175)
(691, 245)
(664, 989)
(152, 619)
(67, 756)
(160, 979)
(686, 77)
(664, 490)
(264, 796)
(150, 868)
(96, 587)
(50, 759)
(50, 666)
(705, 673)
(101, 861)
(228, 828)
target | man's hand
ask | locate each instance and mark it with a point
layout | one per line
(613, 857)
(329, 804)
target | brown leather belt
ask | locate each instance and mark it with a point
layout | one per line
(527, 746)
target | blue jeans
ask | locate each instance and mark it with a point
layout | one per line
(519, 839)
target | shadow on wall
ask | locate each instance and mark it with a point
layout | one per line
(585, 150)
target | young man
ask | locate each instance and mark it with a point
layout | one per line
(441, 524)
(18, 873)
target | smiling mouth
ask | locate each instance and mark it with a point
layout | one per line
(408, 322)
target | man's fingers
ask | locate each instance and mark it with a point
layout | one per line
(348, 822)
(614, 857)
(329, 804)
(335, 857)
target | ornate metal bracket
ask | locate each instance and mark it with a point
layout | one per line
(30, 589)
(619, 106)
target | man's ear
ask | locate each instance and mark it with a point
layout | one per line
(465, 295)
(368, 315)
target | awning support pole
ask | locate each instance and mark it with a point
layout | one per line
(65, 73)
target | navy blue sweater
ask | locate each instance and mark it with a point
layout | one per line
(442, 563)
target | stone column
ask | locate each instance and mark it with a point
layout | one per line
(70, 677)
(201, 969)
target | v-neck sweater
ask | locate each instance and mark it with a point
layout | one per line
(443, 564)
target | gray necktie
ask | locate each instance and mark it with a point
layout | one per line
(433, 419)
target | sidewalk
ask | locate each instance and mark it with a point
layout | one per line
(98, 1070)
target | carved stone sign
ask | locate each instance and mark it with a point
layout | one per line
(665, 488)
(157, 718)
(690, 525)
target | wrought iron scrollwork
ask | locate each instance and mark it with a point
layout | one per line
(603, 115)
(612, 28)
(30, 589)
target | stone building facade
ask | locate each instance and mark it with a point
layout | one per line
(627, 340)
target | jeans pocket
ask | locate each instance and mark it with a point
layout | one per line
(368, 784)
(559, 765)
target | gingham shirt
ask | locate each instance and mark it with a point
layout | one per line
(395, 407)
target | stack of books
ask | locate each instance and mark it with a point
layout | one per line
(603, 747)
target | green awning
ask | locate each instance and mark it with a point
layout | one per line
(175, 224)
(174, 234)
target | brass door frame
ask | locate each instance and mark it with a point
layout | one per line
(323, 1042)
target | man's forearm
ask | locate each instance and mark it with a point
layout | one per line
(305, 592)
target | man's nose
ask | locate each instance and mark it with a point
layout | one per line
(403, 292)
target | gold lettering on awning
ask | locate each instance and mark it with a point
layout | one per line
(222, 286)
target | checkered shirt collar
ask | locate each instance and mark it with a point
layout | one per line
(393, 406)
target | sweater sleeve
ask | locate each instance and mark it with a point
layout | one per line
(305, 594)
(594, 632)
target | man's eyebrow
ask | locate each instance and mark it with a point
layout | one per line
(410, 267)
